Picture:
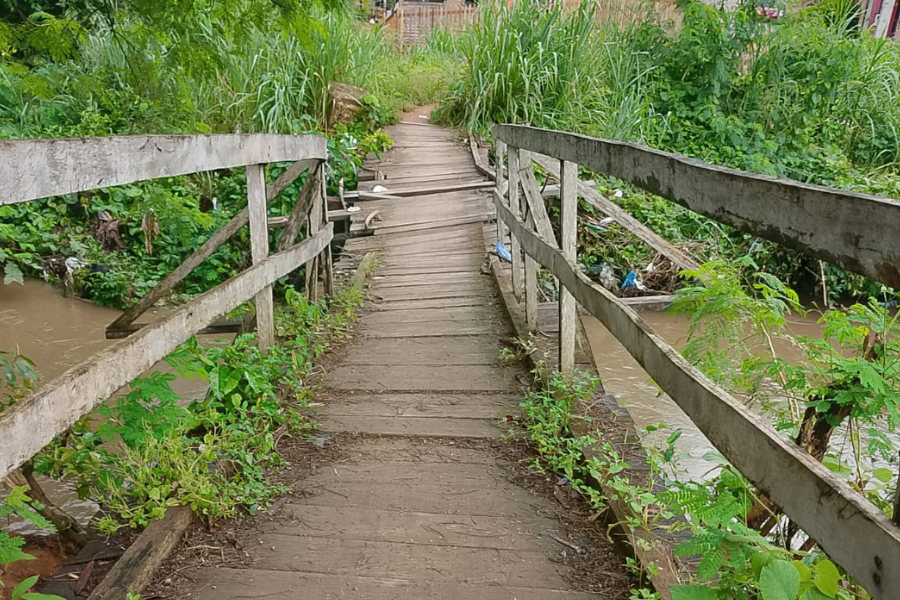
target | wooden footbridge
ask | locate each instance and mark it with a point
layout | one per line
(420, 506)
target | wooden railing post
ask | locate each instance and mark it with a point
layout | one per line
(531, 266)
(259, 251)
(568, 196)
(502, 231)
(514, 203)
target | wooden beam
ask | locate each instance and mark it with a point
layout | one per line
(514, 248)
(199, 255)
(502, 188)
(34, 421)
(32, 169)
(300, 211)
(855, 231)
(535, 200)
(622, 217)
(259, 251)
(568, 238)
(844, 523)
(135, 568)
(217, 328)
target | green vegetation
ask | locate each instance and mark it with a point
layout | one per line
(806, 97)
(223, 67)
(713, 517)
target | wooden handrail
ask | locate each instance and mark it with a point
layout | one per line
(840, 519)
(856, 231)
(34, 421)
(32, 169)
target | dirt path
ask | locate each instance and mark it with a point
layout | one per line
(422, 504)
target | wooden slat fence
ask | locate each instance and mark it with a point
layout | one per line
(416, 20)
(853, 230)
(30, 170)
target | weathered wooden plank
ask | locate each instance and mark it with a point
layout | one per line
(535, 200)
(35, 420)
(855, 231)
(259, 251)
(453, 406)
(523, 532)
(471, 378)
(434, 351)
(32, 169)
(392, 560)
(274, 584)
(622, 217)
(134, 570)
(414, 426)
(852, 531)
(515, 249)
(300, 210)
(568, 233)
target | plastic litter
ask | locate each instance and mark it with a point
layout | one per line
(617, 193)
(607, 278)
(502, 252)
(380, 189)
(353, 209)
(632, 281)
(607, 221)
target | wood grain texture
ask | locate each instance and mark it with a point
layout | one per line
(32, 169)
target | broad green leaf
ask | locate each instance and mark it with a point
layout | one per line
(803, 570)
(24, 586)
(884, 475)
(779, 580)
(13, 274)
(758, 561)
(692, 592)
(37, 596)
(827, 578)
(813, 594)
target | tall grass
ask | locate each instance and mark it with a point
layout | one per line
(206, 81)
(808, 97)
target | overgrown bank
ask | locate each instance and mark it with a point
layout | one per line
(149, 449)
(807, 97)
(137, 73)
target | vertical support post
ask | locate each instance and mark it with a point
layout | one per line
(514, 204)
(501, 159)
(312, 267)
(327, 261)
(568, 196)
(531, 265)
(259, 250)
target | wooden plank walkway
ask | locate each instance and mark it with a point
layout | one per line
(416, 513)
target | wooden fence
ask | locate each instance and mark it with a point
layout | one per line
(41, 168)
(416, 20)
(855, 231)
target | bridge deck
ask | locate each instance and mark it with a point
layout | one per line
(417, 513)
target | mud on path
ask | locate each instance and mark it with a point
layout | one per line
(414, 493)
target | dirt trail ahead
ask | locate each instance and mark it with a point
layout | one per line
(422, 507)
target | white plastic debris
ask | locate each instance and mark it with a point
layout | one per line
(649, 268)
(352, 209)
(380, 189)
(607, 222)
(617, 193)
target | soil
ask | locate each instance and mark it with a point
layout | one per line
(49, 553)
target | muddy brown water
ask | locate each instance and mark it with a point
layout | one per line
(625, 379)
(58, 333)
